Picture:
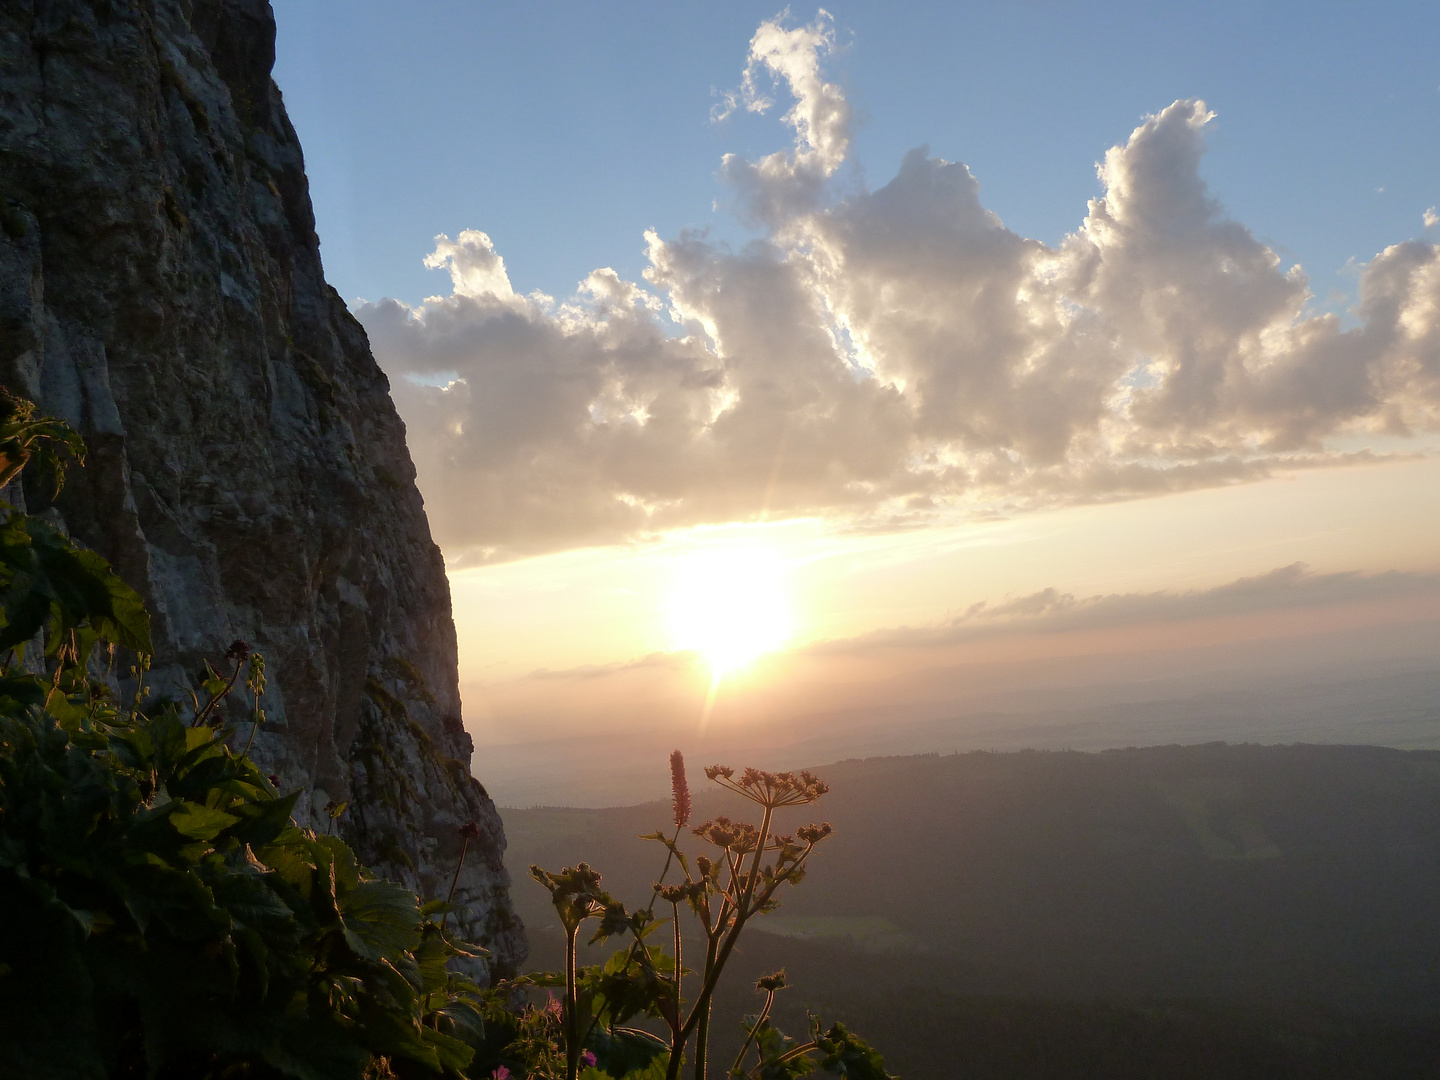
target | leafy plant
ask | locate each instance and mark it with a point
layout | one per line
(24, 436)
(723, 893)
(163, 915)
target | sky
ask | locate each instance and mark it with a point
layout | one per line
(757, 363)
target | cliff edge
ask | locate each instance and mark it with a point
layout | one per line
(161, 289)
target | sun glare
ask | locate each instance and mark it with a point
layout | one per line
(731, 606)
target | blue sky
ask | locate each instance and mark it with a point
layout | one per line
(564, 130)
(919, 421)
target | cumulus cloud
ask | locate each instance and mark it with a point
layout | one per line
(892, 355)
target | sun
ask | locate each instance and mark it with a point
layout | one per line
(731, 605)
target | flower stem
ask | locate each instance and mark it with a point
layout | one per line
(209, 705)
(455, 880)
(760, 1021)
(572, 1021)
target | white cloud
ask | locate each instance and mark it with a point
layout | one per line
(885, 355)
(475, 267)
(790, 182)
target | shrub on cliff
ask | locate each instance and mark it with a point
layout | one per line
(160, 912)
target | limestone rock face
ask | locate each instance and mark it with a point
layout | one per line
(161, 289)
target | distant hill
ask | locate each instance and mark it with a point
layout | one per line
(1393, 703)
(1278, 904)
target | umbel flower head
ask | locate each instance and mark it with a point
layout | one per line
(734, 836)
(770, 790)
(679, 788)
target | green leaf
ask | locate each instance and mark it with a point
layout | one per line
(126, 623)
(450, 1051)
(347, 867)
(628, 1053)
(65, 712)
(846, 1054)
(50, 578)
(291, 857)
(263, 819)
(381, 920)
(200, 822)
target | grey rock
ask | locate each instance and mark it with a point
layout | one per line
(161, 289)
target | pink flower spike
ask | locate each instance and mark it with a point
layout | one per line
(679, 788)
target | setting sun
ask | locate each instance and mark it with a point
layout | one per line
(731, 606)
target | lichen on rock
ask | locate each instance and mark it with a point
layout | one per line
(161, 289)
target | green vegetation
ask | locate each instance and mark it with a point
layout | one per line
(163, 916)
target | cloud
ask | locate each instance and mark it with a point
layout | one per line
(892, 356)
(781, 185)
(1049, 611)
(476, 269)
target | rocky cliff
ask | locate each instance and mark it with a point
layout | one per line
(161, 288)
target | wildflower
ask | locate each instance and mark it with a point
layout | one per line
(680, 788)
(551, 1006)
(500, 1073)
(587, 1059)
(812, 834)
(239, 650)
(730, 835)
(770, 790)
(274, 779)
(771, 983)
(469, 830)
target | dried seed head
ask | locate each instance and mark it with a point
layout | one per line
(470, 830)
(239, 650)
(813, 834)
(731, 835)
(772, 982)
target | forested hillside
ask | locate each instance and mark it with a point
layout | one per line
(1204, 910)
